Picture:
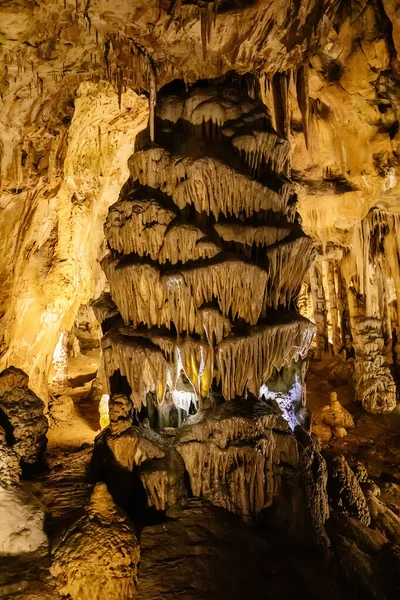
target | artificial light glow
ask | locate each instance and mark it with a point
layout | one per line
(287, 401)
(183, 399)
(104, 411)
(60, 359)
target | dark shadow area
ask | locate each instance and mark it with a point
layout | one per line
(8, 428)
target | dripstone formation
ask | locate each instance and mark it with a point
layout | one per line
(206, 260)
(206, 257)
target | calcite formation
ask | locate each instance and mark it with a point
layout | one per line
(22, 414)
(236, 457)
(355, 299)
(334, 420)
(206, 256)
(97, 557)
(345, 492)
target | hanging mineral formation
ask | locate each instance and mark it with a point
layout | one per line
(206, 258)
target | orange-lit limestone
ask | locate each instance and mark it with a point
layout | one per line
(249, 235)
(243, 479)
(104, 307)
(238, 118)
(137, 225)
(258, 146)
(335, 415)
(200, 105)
(97, 557)
(143, 295)
(241, 288)
(208, 273)
(333, 421)
(248, 361)
(288, 263)
(208, 184)
(186, 242)
(152, 361)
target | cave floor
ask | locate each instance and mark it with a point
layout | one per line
(201, 552)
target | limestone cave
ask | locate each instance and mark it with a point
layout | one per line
(200, 299)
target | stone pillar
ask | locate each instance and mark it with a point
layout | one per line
(206, 257)
(320, 310)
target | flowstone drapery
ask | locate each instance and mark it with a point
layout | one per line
(206, 257)
(355, 293)
(206, 260)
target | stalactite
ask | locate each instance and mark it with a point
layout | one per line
(279, 109)
(334, 308)
(284, 87)
(319, 303)
(210, 185)
(203, 254)
(303, 98)
(229, 472)
(152, 100)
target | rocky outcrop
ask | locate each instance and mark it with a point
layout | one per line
(24, 419)
(97, 557)
(345, 492)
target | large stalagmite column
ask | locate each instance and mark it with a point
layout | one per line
(206, 257)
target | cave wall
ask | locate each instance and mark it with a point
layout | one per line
(69, 159)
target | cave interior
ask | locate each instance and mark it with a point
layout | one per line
(199, 299)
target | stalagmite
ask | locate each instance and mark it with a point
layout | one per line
(98, 555)
(334, 308)
(60, 360)
(320, 311)
(345, 491)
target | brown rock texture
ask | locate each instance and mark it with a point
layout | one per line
(23, 415)
(97, 557)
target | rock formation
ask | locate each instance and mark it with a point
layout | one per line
(334, 420)
(97, 557)
(22, 416)
(206, 259)
(216, 182)
(203, 246)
